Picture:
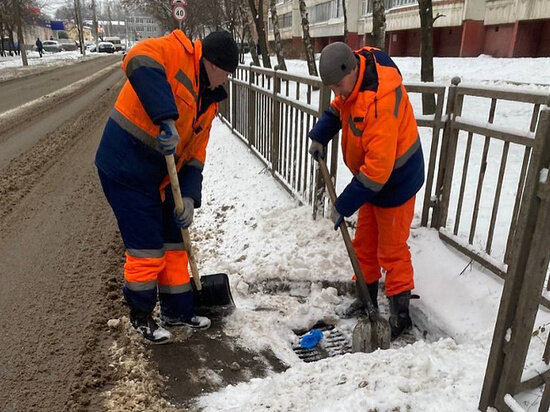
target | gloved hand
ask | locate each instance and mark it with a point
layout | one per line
(316, 150)
(184, 220)
(168, 138)
(337, 218)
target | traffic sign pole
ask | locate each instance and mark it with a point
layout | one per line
(178, 11)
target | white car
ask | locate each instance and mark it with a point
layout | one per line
(104, 47)
(51, 46)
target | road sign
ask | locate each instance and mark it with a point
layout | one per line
(179, 12)
(181, 2)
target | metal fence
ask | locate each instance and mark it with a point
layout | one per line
(487, 150)
(467, 182)
(272, 111)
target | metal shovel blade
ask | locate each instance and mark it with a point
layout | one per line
(369, 335)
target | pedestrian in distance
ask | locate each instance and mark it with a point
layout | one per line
(39, 46)
(381, 147)
(166, 107)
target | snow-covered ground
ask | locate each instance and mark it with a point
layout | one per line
(12, 66)
(264, 239)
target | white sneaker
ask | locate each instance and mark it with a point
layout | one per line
(149, 329)
(196, 322)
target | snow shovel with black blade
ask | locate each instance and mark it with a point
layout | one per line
(372, 331)
(210, 292)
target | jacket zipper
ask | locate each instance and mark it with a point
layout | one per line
(375, 107)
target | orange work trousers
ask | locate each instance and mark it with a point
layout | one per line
(381, 243)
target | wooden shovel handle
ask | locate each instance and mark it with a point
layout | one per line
(174, 182)
(364, 291)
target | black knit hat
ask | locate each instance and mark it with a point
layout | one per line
(220, 49)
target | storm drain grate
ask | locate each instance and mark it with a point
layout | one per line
(333, 343)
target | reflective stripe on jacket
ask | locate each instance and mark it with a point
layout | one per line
(380, 141)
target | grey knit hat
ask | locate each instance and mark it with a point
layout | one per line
(337, 60)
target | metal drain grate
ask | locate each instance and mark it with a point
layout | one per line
(333, 343)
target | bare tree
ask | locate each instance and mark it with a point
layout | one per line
(78, 19)
(426, 51)
(378, 24)
(15, 14)
(308, 46)
(253, 46)
(278, 46)
(257, 17)
(18, 7)
(242, 24)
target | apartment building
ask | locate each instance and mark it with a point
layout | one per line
(467, 28)
(141, 27)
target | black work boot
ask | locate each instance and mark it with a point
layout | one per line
(399, 313)
(144, 324)
(357, 307)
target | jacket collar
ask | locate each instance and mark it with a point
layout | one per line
(184, 40)
(357, 87)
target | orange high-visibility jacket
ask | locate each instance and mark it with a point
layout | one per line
(163, 83)
(380, 141)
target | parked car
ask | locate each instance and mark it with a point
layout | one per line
(51, 46)
(68, 44)
(116, 42)
(106, 47)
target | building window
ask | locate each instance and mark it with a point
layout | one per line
(285, 20)
(366, 5)
(325, 11)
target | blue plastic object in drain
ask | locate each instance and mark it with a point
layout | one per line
(311, 339)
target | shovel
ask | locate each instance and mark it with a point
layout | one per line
(210, 291)
(373, 331)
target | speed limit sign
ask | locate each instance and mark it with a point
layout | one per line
(179, 12)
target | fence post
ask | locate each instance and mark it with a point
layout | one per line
(251, 108)
(524, 279)
(275, 139)
(428, 202)
(447, 157)
(233, 99)
(319, 184)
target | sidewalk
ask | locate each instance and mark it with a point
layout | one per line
(250, 228)
(262, 234)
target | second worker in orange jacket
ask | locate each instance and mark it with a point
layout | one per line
(381, 147)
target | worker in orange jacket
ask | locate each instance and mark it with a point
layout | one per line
(166, 106)
(381, 147)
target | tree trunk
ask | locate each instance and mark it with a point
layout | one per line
(378, 24)
(2, 49)
(345, 12)
(278, 46)
(257, 16)
(20, 38)
(243, 40)
(11, 43)
(308, 46)
(78, 14)
(249, 35)
(426, 53)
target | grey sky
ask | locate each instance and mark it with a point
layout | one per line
(51, 6)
